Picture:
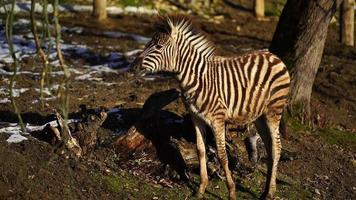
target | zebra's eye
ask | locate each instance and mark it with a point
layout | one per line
(158, 46)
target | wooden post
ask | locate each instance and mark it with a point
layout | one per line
(347, 22)
(99, 9)
(259, 6)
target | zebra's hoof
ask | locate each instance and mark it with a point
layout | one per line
(251, 147)
(199, 195)
(266, 196)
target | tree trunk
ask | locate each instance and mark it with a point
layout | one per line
(347, 20)
(299, 41)
(99, 9)
(259, 6)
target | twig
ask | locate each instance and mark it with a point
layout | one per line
(9, 35)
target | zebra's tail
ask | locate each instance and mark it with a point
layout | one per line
(282, 127)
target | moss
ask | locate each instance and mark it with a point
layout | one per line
(136, 3)
(296, 124)
(73, 2)
(274, 8)
(338, 137)
(332, 136)
(130, 186)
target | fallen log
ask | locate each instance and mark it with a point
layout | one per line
(134, 141)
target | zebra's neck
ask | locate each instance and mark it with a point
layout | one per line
(193, 71)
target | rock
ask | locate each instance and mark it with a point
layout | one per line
(316, 191)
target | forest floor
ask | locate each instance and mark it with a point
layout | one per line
(317, 163)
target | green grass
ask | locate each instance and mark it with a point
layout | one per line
(274, 8)
(128, 185)
(338, 137)
(329, 135)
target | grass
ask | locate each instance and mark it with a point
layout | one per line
(330, 135)
(129, 186)
(274, 8)
(338, 137)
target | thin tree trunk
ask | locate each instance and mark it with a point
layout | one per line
(259, 6)
(347, 22)
(299, 41)
(99, 9)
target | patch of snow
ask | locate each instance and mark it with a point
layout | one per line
(5, 100)
(36, 101)
(17, 135)
(114, 110)
(47, 90)
(77, 30)
(84, 77)
(149, 78)
(108, 84)
(24, 46)
(124, 69)
(15, 92)
(102, 68)
(119, 132)
(137, 38)
(134, 52)
(113, 56)
(179, 121)
(16, 138)
(143, 10)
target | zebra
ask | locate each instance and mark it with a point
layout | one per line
(218, 90)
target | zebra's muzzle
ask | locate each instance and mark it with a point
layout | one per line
(142, 72)
(136, 66)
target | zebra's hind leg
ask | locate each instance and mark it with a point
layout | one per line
(268, 128)
(218, 127)
(200, 129)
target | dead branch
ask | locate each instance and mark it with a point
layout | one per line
(66, 136)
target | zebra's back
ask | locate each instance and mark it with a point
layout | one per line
(251, 84)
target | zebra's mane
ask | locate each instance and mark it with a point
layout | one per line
(179, 24)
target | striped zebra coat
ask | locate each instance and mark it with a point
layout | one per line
(217, 90)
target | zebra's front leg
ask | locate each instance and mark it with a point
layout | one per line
(218, 127)
(200, 129)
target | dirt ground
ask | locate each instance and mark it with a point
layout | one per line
(317, 163)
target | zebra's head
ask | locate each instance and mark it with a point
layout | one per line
(156, 56)
(174, 35)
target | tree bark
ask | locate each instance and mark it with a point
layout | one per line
(99, 9)
(347, 21)
(299, 41)
(259, 6)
